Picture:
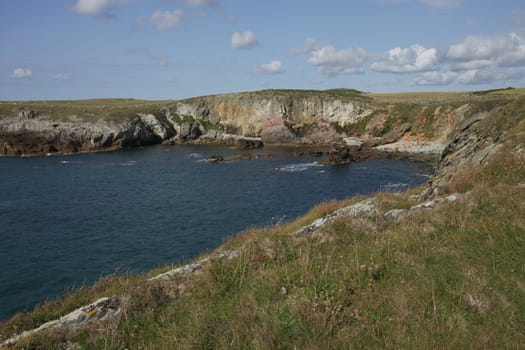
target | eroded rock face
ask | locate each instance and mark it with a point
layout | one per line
(476, 137)
(39, 135)
(243, 120)
(277, 131)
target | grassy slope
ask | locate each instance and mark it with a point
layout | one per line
(450, 278)
(84, 110)
(122, 109)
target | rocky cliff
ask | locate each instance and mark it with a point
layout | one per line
(244, 119)
(454, 252)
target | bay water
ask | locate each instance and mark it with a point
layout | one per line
(68, 220)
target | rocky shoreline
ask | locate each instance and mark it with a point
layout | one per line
(244, 121)
(472, 140)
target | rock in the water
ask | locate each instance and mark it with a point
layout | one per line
(249, 143)
(342, 153)
(215, 159)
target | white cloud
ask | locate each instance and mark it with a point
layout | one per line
(442, 4)
(208, 3)
(20, 73)
(97, 7)
(488, 76)
(435, 78)
(518, 16)
(274, 67)
(62, 77)
(415, 58)
(244, 40)
(331, 62)
(439, 4)
(165, 20)
(469, 65)
(308, 47)
(506, 50)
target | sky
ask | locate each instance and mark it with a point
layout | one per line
(172, 49)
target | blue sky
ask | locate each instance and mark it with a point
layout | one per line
(170, 49)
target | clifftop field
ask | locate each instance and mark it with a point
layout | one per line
(439, 266)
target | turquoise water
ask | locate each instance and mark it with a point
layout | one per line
(68, 220)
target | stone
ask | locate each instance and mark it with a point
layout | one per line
(363, 209)
(249, 143)
(276, 131)
(215, 159)
(394, 215)
(100, 310)
(396, 133)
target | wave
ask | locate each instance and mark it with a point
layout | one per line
(396, 187)
(128, 163)
(195, 156)
(70, 162)
(293, 168)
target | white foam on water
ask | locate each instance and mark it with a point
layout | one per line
(396, 187)
(294, 168)
(128, 163)
(195, 156)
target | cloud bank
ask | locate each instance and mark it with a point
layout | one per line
(97, 7)
(331, 62)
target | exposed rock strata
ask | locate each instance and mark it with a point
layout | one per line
(477, 136)
(243, 120)
(100, 310)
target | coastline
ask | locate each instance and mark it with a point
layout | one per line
(472, 190)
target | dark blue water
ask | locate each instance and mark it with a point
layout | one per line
(68, 220)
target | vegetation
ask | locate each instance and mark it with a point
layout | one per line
(420, 97)
(506, 91)
(356, 129)
(84, 110)
(447, 278)
(452, 279)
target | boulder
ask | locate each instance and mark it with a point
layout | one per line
(277, 131)
(249, 143)
(396, 133)
(394, 215)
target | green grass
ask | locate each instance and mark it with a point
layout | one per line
(84, 110)
(450, 278)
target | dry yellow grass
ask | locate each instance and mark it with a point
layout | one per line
(417, 96)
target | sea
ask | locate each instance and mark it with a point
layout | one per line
(68, 220)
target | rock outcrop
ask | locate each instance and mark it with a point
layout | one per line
(246, 120)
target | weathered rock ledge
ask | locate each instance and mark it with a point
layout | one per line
(243, 120)
(475, 138)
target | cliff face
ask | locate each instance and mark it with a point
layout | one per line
(302, 117)
(247, 113)
(479, 133)
(466, 242)
(272, 116)
(34, 135)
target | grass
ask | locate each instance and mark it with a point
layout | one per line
(449, 278)
(418, 97)
(84, 110)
